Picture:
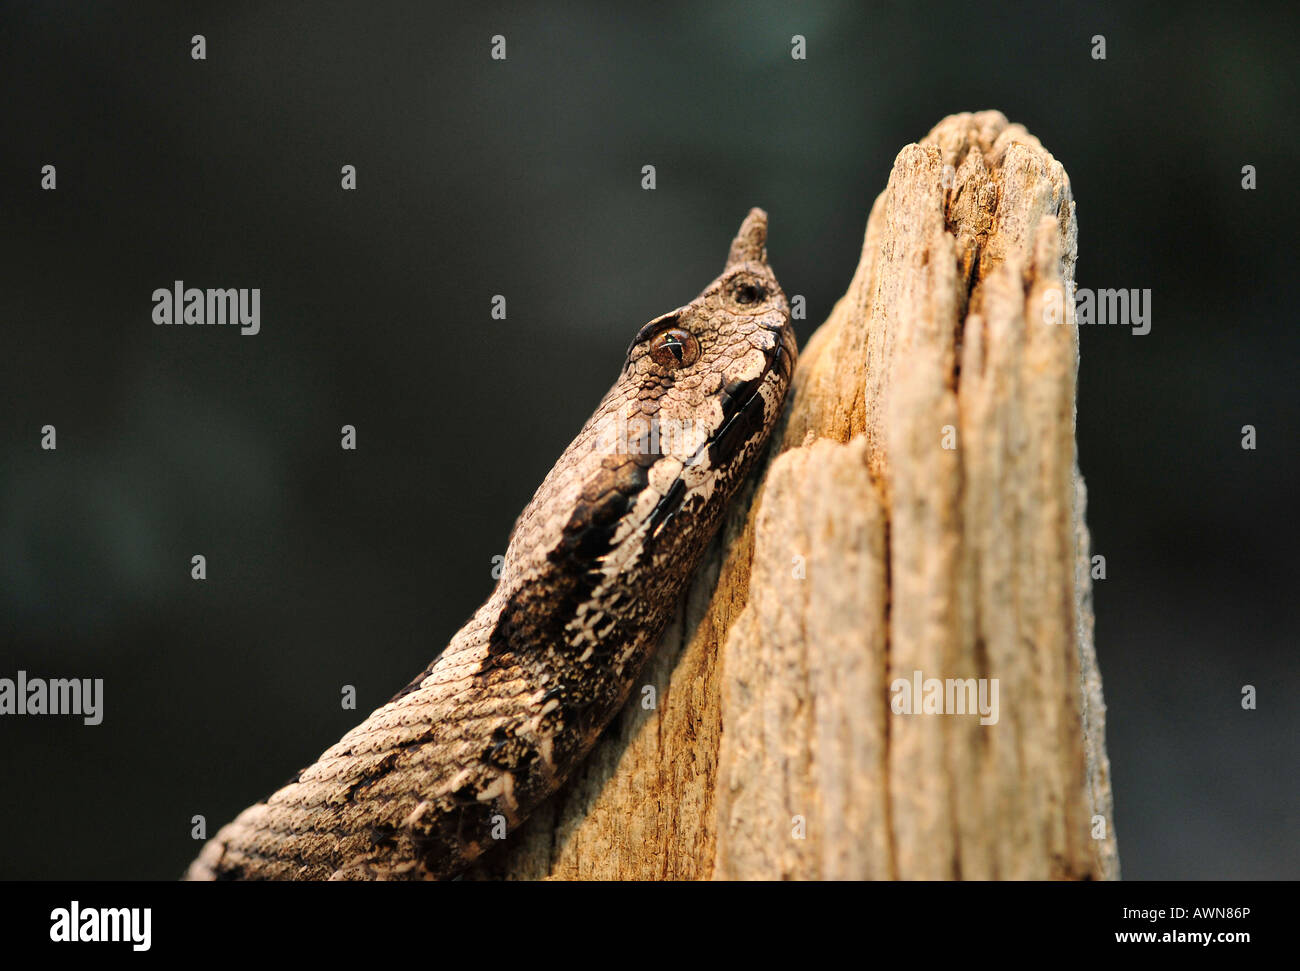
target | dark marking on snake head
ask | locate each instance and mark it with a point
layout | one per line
(745, 413)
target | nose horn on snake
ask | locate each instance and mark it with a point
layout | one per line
(749, 246)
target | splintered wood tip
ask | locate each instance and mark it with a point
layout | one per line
(749, 244)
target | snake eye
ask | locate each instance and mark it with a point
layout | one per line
(747, 293)
(674, 349)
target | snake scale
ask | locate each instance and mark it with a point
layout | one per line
(594, 566)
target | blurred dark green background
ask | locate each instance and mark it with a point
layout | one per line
(522, 178)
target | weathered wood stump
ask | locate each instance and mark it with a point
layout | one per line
(921, 511)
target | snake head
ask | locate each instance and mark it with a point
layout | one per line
(644, 484)
(712, 375)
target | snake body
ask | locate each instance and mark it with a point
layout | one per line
(594, 566)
